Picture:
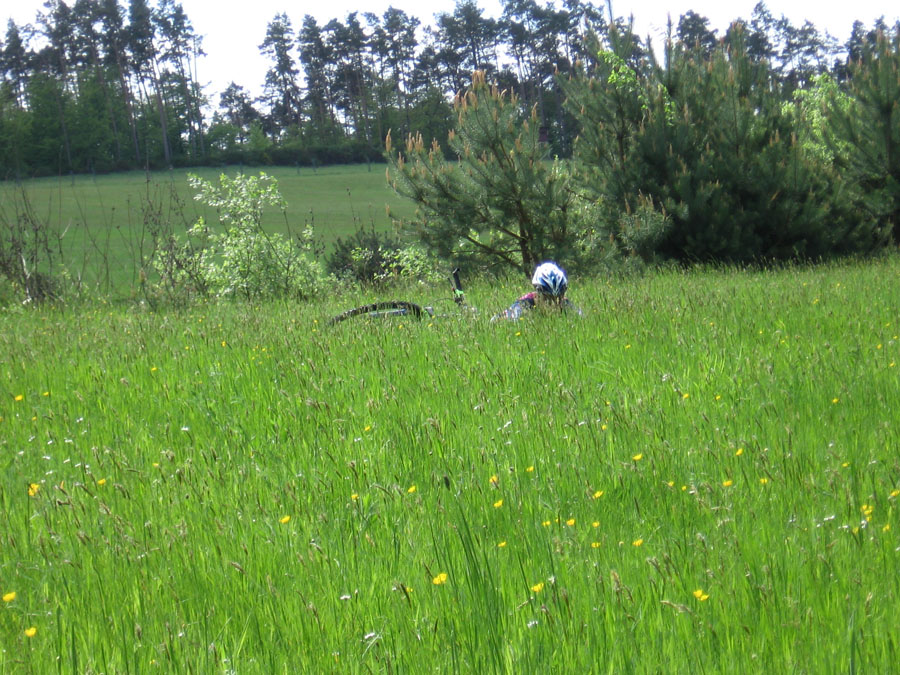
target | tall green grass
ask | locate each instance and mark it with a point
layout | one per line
(104, 219)
(701, 474)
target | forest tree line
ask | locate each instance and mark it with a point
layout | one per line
(99, 86)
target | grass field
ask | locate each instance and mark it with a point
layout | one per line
(103, 217)
(700, 475)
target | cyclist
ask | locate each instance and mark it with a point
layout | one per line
(550, 285)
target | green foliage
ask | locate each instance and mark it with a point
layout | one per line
(372, 257)
(709, 142)
(259, 144)
(865, 135)
(809, 113)
(243, 259)
(14, 131)
(641, 231)
(815, 112)
(363, 256)
(500, 202)
(413, 262)
(619, 240)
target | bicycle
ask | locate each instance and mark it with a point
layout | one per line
(400, 308)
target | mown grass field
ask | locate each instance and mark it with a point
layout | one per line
(700, 475)
(105, 218)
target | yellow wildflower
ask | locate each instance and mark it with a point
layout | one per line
(727, 482)
(19, 397)
(538, 587)
(411, 489)
(502, 544)
(637, 542)
(33, 489)
(31, 632)
(700, 595)
(9, 597)
(638, 457)
(595, 544)
(570, 522)
(739, 452)
(101, 482)
(530, 469)
(440, 579)
(598, 494)
(498, 503)
(284, 520)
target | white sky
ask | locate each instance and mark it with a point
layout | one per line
(233, 31)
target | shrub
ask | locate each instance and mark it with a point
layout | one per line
(364, 256)
(709, 141)
(414, 262)
(610, 239)
(241, 260)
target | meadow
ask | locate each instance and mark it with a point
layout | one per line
(700, 475)
(104, 220)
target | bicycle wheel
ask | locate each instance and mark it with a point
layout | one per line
(380, 310)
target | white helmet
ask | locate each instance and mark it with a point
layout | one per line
(550, 279)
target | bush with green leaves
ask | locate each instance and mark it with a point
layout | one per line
(613, 240)
(413, 262)
(372, 257)
(239, 258)
(362, 257)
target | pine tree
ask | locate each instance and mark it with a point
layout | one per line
(708, 141)
(499, 203)
(870, 129)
